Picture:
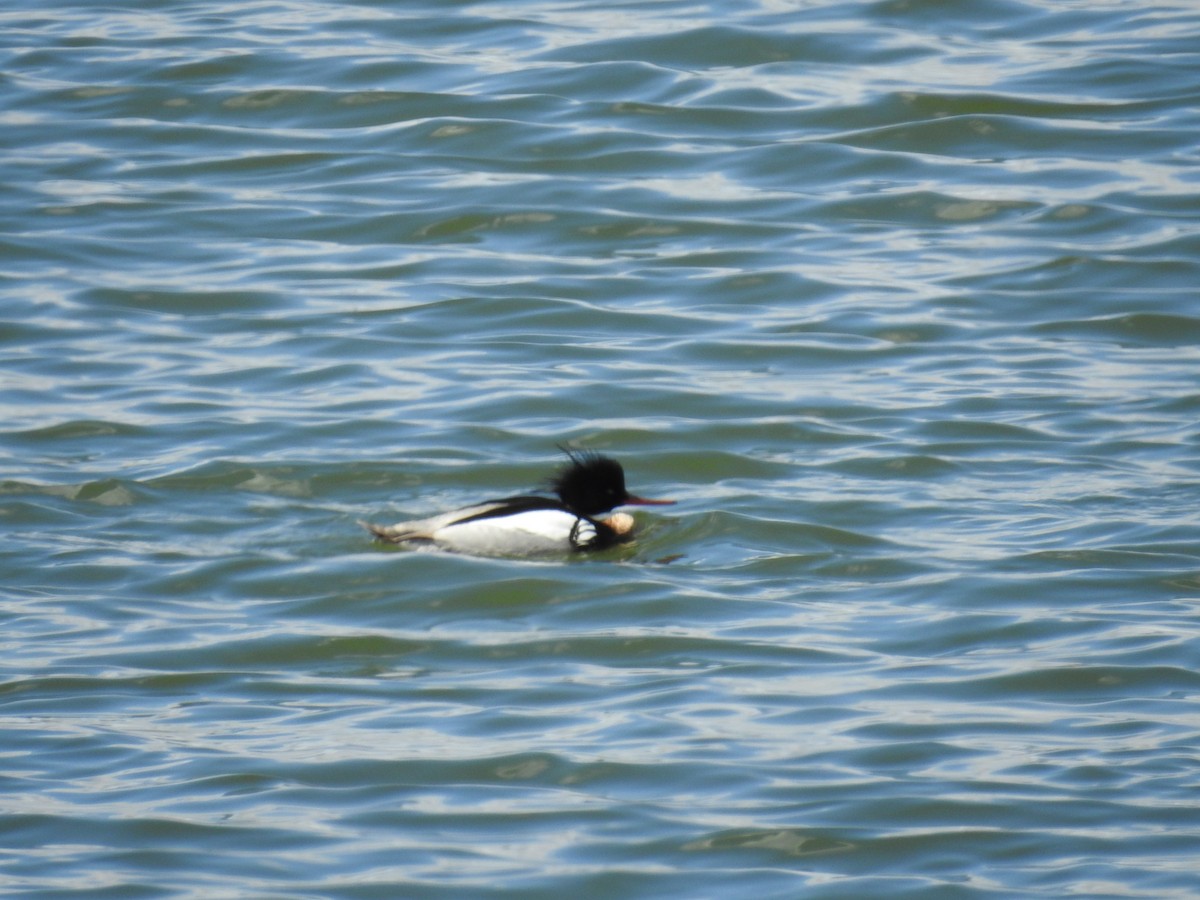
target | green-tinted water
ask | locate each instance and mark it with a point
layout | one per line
(898, 299)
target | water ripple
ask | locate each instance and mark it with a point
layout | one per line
(896, 299)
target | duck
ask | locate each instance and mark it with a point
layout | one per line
(570, 521)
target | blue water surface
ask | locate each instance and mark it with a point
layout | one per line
(898, 299)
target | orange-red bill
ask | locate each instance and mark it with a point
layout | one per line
(631, 500)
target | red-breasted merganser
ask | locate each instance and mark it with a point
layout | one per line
(588, 486)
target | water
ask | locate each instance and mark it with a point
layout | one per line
(898, 299)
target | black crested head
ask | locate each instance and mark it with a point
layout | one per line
(590, 484)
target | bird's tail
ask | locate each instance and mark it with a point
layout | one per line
(395, 534)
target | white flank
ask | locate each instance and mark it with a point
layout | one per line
(534, 531)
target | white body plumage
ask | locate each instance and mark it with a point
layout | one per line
(488, 529)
